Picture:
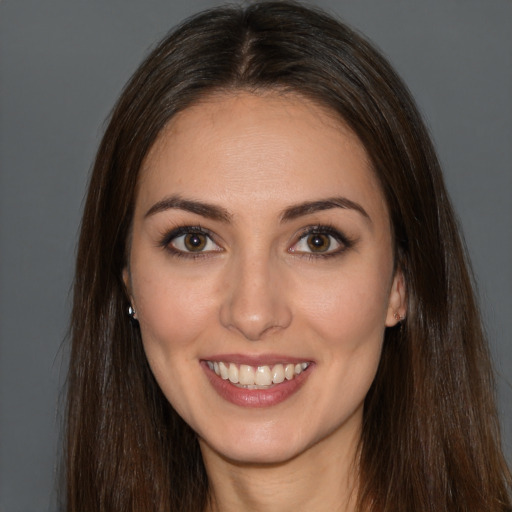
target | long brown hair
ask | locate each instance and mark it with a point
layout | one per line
(430, 437)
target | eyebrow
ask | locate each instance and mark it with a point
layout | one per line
(219, 213)
(310, 207)
(209, 211)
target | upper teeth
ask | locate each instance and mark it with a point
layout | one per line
(247, 375)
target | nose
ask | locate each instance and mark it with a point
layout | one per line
(255, 303)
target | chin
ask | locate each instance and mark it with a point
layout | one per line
(254, 454)
(261, 446)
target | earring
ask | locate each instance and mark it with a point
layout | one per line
(131, 314)
(398, 317)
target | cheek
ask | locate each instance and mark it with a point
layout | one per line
(172, 311)
(346, 319)
(173, 314)
(348, 307)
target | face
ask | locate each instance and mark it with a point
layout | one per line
(261, 271)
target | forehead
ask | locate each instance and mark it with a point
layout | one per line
(265, 148)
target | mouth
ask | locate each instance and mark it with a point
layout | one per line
(257, 377)
(256, 385)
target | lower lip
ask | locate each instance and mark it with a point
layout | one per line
(256, 397)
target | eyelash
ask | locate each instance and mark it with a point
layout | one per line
(344, 241)
(324, 229)
(167, 239)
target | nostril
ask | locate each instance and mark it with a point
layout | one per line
(253, 329)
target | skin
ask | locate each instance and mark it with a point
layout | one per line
(258, 289)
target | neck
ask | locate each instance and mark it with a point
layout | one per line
(319, 479)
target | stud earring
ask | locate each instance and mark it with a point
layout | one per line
(398, 317)
(131, 314)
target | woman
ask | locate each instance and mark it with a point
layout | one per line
(273, 309)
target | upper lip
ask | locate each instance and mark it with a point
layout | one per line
(256, 360)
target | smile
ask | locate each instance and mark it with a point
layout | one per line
(257, 377)
(257, 384)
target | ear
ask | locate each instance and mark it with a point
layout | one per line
(128, 285)
(397, 308)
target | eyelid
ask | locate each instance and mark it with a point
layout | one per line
(167, 239)
(343, 240)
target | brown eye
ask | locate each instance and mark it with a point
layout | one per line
(191, 241)
(322, 241)
(195, 241)
(318, 242)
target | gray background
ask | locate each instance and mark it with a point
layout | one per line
(63, 64)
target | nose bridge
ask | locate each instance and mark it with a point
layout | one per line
(255, 304)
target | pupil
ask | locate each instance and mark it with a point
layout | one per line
(195, 241)
(318, 243)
